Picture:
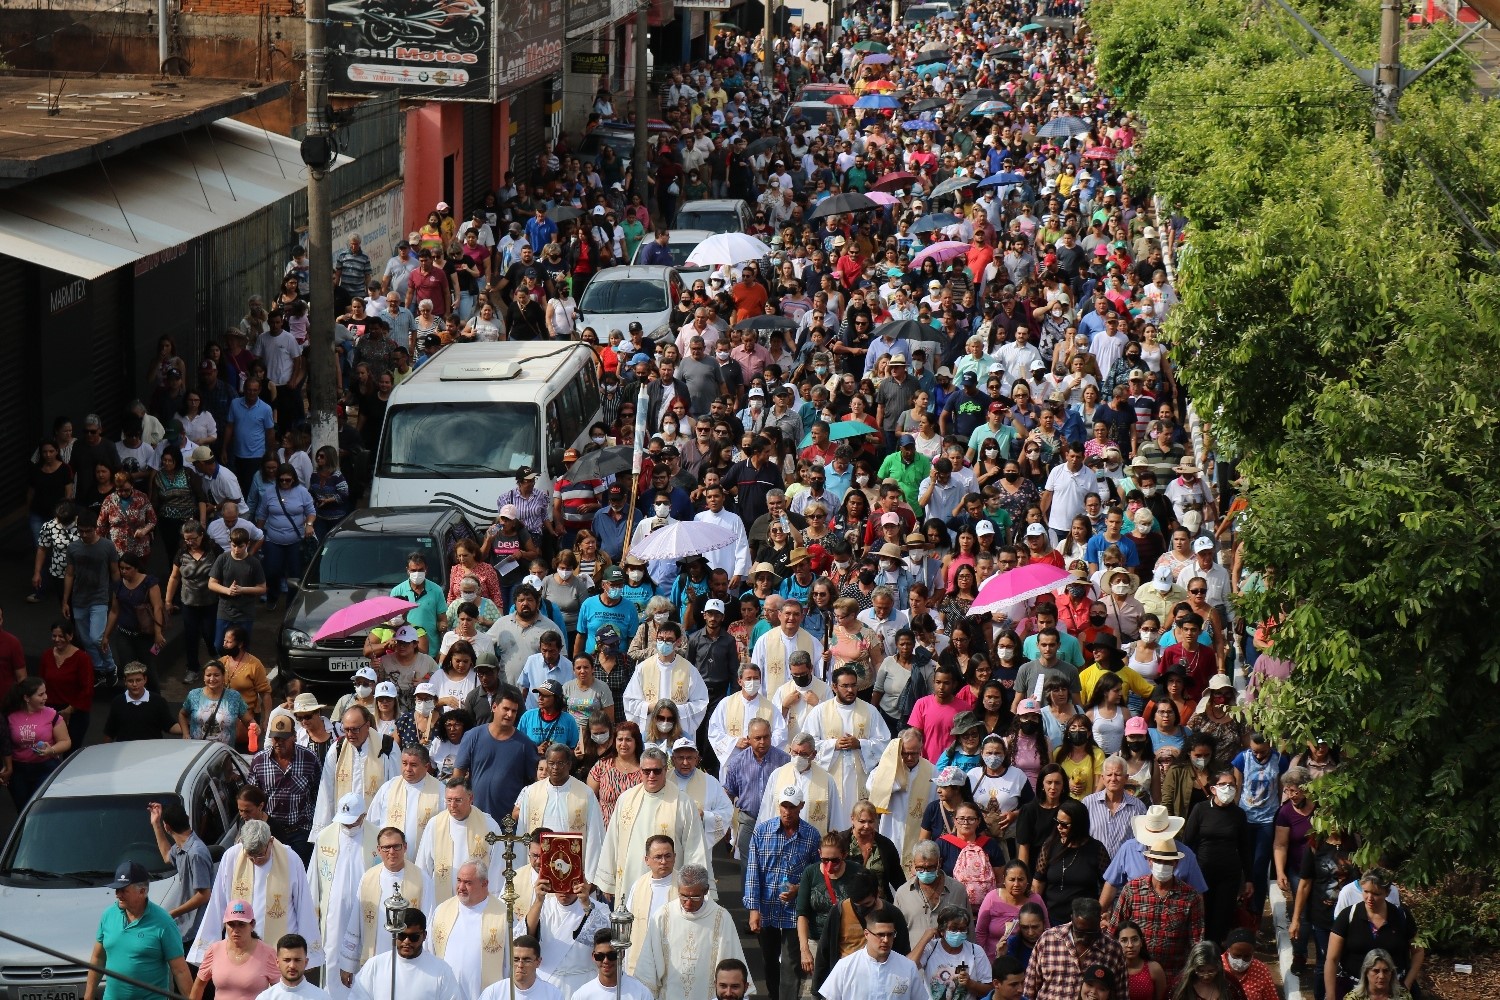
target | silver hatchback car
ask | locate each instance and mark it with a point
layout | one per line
(88, 818)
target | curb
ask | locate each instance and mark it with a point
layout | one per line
(1291, 985)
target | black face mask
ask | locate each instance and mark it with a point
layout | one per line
(1096, 619)
(1030, 726)
(867, 577)
(802, 680)
(1139, 746)
(1078, 739)
(1011, 477)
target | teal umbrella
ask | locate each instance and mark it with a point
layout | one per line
(1031, 27)
(841, 430)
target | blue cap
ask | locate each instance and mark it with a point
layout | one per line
(641, 358)
(907, 441)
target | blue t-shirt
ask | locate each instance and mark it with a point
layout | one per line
(595, 614)
(250, 426)
(1260, 792)
(143, 950)
(563, 729)
(498, 769)
(1094, 550)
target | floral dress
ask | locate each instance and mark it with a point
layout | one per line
(210, 719)
(612, 784)
(125, 516)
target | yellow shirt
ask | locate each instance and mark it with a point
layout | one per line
(1082, 774)
(1131, 681)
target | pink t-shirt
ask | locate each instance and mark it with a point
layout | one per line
(29, 728)
(935, 720)
(245, 981)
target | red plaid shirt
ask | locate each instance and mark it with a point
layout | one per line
(1056, 968)
(1171, 920)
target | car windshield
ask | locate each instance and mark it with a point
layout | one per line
(626, 296)
(679, 252)
(353, 559)
(87, 838)
(719, 221)
(472, 440)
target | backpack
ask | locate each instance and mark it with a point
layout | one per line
(973, 869)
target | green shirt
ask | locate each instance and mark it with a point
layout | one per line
(143, 949)
(1005, 434)
(908, 477)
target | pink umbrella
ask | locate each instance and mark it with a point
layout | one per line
(371, 610)
(881, 198)
(1099, 153)
(940, 252)
(1017, 585)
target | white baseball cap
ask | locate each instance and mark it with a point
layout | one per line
(791, 795)
(1203, 544)
(986, 528)
(713, 604)
(366, 674)
(1162, 581)
(684, 743)
(1036, 530)
(425, 688)
(406, 633)
(351, 808)
(385, 689)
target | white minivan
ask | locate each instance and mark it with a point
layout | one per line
(460, 426)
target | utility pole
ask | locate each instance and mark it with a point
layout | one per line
(765, 49)
(317, 153)
(642, 104)
(1388, 69)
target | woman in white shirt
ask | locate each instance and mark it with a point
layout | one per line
(198, 425)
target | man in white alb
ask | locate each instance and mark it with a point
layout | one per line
(419, 973)
(611, 983)
(563, 925)
(703, 790)
(666, 674)
(563, 804)
(526, 957)
(366, 937)
(360, 760)
(901, 786)
(456, 835)
(409, 800)
(802, 692)
(774, 651)
(291, 962)
(850, 737)
(270, 876)
(728, 726)
(734, 558)
(687, 939)
(820, 795)
(656, 888)
(469, 932)
(654, 807)
(343, 852)
(875, 972)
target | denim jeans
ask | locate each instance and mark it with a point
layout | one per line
(283, 563)
(89, 620)
(1264, 835)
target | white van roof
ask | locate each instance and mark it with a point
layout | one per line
(504, 370)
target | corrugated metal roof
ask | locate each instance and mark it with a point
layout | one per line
(91, 220)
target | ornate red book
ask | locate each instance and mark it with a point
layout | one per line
(561, 869)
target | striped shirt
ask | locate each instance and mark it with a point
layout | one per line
(775, 862)
(533, 511)
(579, 500)
(1112, 828)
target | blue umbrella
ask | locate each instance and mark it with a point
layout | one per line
(930, 68)
(840, 430)
(951, 185)
(1063, 127)
(932, 223)
(920, 125)
(877, 102)
(989, 108)
(1002, 178)
(1031, 27)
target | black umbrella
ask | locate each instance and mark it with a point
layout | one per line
(898, 328)
(929, 104)
(763, 145)
(936, 54)
(765, 322)
(564, 213)
(980, 94)
(1013, 55)
(841, 203)
(601, 463)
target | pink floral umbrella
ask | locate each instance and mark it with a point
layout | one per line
(1015, 586)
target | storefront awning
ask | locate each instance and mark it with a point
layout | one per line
(89, 221)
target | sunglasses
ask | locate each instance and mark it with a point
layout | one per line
(1198, 591)
(652, 770)
(411, 935)
(606, 956)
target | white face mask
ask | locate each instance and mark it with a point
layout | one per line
(660, 617)
(424, 706)
(663, 509)
(363, 690)
(600, 739)
(417, 577)
(597, 439)
(1239, 964)
(636, 575)
(862, 480)
(468, 596)
(1163, 871)
(663, 726)
(1224, 793)
(802, 764)
(755, 404)
(669, 428)
(565, 573)
(722, 356)
(752, 688)
(1147, 634)
(1121, 589)
(1006, 653)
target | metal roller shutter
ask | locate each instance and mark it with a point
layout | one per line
(110, 375)
(528, 112)
(18, 416)
(479, 153)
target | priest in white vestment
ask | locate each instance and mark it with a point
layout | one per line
(850, 737)
(530, 984)
(900, 787)
(360, 760)
(611, 983)
(293, 984)
(456, 835)
(654, 889)
(367, 937)
(666, 674)
(729, 724)
(773, 652)
(563, 927)
(704, 791)
(563, 804)
(800, 693)
(418, 972)
(271, 877)
(686, 939)
(469, 932)
(409, 800)
(820, 795)
(655, 806)
(342, 853)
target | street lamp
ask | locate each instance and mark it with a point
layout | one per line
(395, 922)
(620, 922)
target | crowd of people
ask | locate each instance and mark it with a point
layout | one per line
(920, 792)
